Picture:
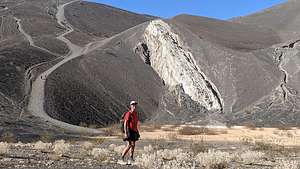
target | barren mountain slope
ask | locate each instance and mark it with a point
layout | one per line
(283, 18)
(81, 63)
(96, 88)
(241, 77)
(30, 43)
(237, 36)
(228, 80)
(92, 20)
(282, 107)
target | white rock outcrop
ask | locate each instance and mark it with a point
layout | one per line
(175, 64)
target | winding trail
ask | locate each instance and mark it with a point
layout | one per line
(285, 75)
(282, 61)
(37, 95)
(29, 38)
(61, 20)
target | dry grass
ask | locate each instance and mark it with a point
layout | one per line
(97, 140)
(172, 136)
(151, 127)
(284, 128)
(179, 159)
(197, 131)
(249, 125)
(4, 148)
(148, 149)
(85, 148)
(214, 159)
(100, 154)
(268, 147)
(289, 134)
(197, 154)
(285, 164)
(164, 158)
(199, 147)
(54, 157)
(172, 127)
(284, 133)
(167, 129)
(116, 149)
(60, 147)
(87, 145)
(246, 140)
(113, 130)
(265, 144)
(43, 146)
(119, 149)
(287, 138)
(250, 157)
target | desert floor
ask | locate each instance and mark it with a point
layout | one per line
(161, 146)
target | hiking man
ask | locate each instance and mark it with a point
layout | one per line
(131, 130)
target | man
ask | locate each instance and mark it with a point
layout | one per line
(131, 130)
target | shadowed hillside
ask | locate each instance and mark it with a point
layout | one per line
(80, 63)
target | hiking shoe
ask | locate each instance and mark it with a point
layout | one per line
(131, 161)
(122, 162)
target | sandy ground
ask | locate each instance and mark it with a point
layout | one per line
(234, 135)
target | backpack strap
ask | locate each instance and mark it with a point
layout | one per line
(128, 121)
(130, 117)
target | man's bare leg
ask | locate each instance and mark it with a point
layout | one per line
(132, 149)
(127, 149)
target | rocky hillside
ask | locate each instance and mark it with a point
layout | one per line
(80, 63)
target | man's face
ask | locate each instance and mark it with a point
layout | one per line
(133, 107)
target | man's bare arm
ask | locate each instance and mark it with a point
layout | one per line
(125, 128)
